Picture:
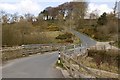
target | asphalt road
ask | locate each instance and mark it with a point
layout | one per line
(36, 66)
(86, 40)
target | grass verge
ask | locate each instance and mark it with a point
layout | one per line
(103, 60)
(60, 64)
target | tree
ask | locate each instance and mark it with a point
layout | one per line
(115, 8)
(94, 14)
(73, 13)
(14, 18)
(5, 19)
(45, 14)
(29, 17)
(102, 20)
(77, 13)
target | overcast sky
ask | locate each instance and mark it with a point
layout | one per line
(36, 6)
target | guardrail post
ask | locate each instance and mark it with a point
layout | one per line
(104, 47)
(59, 58)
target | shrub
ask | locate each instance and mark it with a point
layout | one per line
(53, 28)
(101, 56)
(69, 41)
(64, 36)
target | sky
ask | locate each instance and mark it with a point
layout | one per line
(36, 6)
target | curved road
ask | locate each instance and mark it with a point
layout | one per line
(36, 66)
(39, 66)
(86, 40)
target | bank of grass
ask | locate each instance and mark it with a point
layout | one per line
(104, 66)
(12, 54)
(19, 53)
(103, 60)
(46, 37)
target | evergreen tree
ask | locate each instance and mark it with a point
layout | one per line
(102, 20)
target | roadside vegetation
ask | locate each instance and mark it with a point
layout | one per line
(104, 28)
(25, 33)
(17, 34)
(68, 38)
(101, 59)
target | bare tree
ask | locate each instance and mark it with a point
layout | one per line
(115, 8)
(14, 18)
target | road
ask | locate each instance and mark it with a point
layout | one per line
(36, 66)
(39, 66)
(86, 41)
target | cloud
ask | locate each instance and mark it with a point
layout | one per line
(7, 6)
(101, 8)
(103, 0)
(35, 6)
(22, 7)
(26, 6)
(29, 6)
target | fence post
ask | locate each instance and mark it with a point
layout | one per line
(63, 57)
(104, 47)
(74, 48)
(64, 49)
(70, 64)
(95, 47)
(81, 45)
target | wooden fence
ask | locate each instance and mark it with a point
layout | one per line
(78, 70)
(22, 51)
(74, 68)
